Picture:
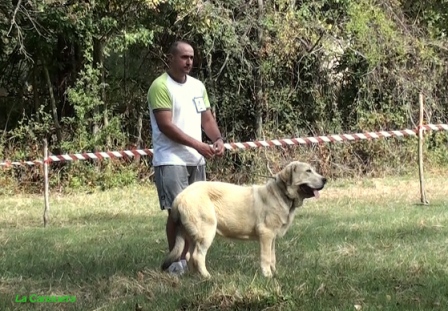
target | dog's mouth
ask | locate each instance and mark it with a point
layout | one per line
(309, 191)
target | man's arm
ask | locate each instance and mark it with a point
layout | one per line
(210, 126)
(212, 131)
(161, 106)
(163, 119)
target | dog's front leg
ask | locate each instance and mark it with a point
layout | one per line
(273, 259)
(266, 256)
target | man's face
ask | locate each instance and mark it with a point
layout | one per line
(182, 60)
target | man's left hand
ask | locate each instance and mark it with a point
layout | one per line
(218, 147)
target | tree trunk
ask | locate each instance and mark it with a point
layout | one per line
(96, 109)
(259, 83)
(139, 126)
(138, 145)
(36, 92)
(103, 97)
(99, 63)
(53, 106)
(212, 81)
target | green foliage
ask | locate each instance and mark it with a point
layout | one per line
(108, 175)
(436, 146)
(305, 68)
(375, 34)
(85, 97)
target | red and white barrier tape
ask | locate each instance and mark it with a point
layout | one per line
(243, 145)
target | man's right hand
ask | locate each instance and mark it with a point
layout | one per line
(163, 119)
(206, 150)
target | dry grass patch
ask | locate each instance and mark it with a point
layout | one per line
(400, 189)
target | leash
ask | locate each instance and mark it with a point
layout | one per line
(258, 175)
(265, 176)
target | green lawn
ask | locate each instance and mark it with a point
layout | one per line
(364, 245)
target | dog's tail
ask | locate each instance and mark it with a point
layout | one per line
(179, 244)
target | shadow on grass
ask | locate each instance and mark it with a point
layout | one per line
(96, 250)
(118, 218)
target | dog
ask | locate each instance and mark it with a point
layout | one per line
(256, 212)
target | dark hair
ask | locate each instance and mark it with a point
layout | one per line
(173, 47)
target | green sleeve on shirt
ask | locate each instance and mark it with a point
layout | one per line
(158, 96)
(206, 101)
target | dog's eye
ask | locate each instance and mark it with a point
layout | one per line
(308, 171)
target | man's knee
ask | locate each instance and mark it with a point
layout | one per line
(170, 181)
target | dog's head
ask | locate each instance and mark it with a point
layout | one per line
(301, 180)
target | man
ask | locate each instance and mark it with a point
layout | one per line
(179, 107)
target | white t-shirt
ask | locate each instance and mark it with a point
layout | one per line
(187, 101)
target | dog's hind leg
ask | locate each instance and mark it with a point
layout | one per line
(201, 253)
(191, 263)
(202, 245)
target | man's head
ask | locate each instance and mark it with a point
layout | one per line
(181, 56)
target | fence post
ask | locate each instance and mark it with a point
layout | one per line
(420, 153)
(47, 204)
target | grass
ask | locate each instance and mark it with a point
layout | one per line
(364, 245)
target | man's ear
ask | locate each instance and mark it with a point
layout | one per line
(286, 174)
(169, 57)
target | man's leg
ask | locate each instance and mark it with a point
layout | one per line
(196, 173)
(170, 231)
(170, 181)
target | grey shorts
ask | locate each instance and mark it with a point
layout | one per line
(172, 179)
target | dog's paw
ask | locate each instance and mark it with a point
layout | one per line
(266, 272)
(206, 276)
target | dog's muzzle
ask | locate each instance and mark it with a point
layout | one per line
(309, 191)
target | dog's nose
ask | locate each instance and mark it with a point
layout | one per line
(324, 180)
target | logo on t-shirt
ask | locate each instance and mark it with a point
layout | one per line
(199, 104)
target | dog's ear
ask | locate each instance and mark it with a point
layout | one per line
(286, 174)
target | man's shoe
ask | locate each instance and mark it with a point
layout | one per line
(184, 265)
(176, 268)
